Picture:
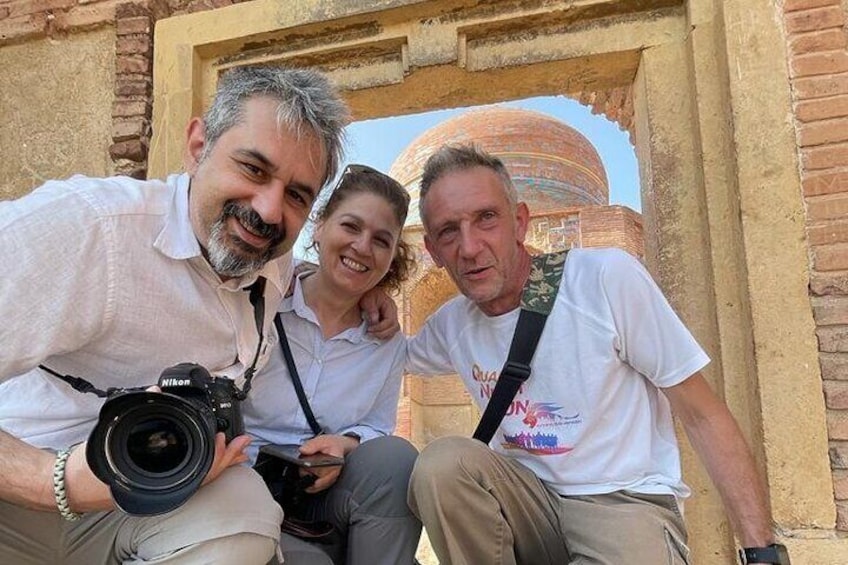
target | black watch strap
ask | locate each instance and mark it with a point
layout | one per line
(768, 554)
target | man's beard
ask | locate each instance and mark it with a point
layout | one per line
(232, 257)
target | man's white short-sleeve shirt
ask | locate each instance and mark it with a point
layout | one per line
(590, 419)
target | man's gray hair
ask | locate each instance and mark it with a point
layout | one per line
(308, 103)
(451, 158)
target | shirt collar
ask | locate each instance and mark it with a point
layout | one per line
(178, 241)
(278, 272)
(297, 303)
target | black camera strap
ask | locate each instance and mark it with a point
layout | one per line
(537, 301)
(257, 300)
(295, 377)
(79, 384)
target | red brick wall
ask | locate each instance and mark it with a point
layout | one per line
(818, 66)
(616, 104)
(612, 226)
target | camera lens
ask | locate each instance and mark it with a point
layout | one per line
(157, 445)
(153, 449)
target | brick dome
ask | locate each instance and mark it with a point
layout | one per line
(552, 165)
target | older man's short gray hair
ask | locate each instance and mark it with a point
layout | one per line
(450, 158)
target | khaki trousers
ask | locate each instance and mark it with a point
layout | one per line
(479, 507)
(231, 520)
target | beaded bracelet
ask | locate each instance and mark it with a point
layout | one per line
(59, 486)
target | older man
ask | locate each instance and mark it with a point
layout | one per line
(604, 484)
(113, 280)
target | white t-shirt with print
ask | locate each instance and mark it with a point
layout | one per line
(590, 419)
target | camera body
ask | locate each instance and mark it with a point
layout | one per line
(154, 449)
(196, 385)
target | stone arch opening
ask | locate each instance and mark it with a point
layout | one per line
(695, 125)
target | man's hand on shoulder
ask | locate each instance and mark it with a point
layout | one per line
(381, 313)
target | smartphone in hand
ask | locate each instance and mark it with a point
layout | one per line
(291, 454)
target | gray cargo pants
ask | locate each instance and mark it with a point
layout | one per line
(367, 505)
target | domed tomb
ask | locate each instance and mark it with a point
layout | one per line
(553, 166)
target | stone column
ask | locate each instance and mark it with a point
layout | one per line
(787, 376)
(677, 246)
(724, 238)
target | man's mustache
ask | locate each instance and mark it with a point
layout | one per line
(251, 219)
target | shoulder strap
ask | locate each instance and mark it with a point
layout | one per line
(298, 386)
(537, 300)
(257, 300)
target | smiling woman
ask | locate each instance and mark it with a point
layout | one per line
(351, 380)
(370, 208)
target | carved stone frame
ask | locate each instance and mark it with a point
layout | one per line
(723, 214)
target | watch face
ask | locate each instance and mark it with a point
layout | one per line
(775, 553)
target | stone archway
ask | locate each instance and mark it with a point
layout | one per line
(719, 178)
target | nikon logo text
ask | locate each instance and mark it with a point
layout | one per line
(176, 382)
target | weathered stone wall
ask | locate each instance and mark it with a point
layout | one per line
(97, 57)
(55, 113)
(133, 21)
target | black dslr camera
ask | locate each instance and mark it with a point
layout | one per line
(154, 449)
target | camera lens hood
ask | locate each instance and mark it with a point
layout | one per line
(137, 486)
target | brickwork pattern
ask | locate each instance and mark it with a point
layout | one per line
(615, 104)
(818, 67)
(588, 226)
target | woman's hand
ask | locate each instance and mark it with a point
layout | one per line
(338, 446)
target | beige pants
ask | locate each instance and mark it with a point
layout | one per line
(479, 507)
(231, 520)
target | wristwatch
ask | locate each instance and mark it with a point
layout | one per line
(774, 553)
